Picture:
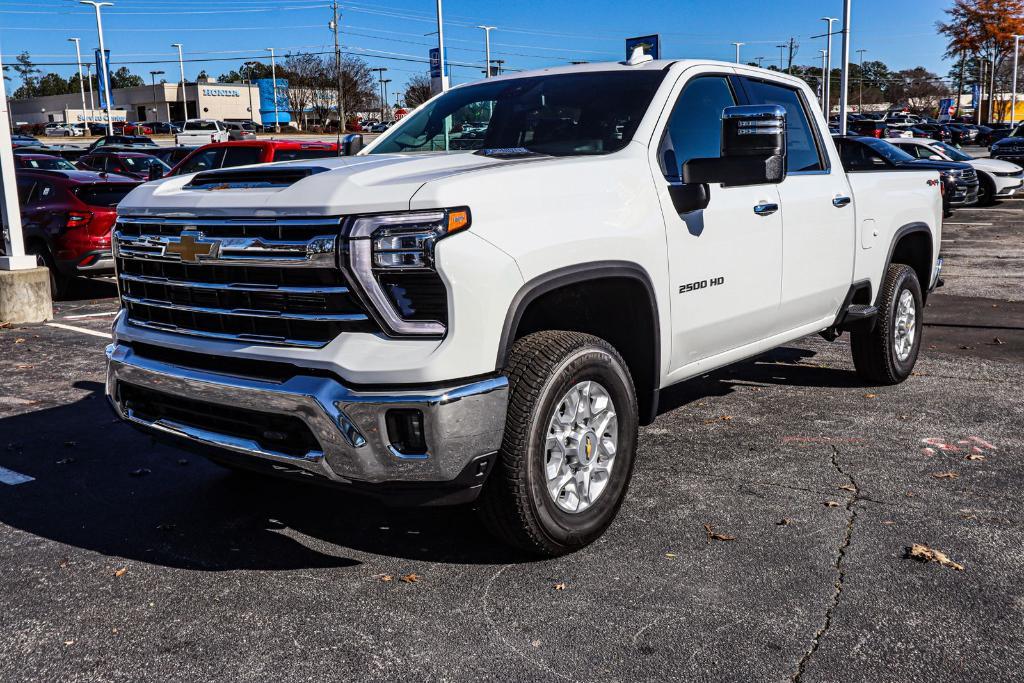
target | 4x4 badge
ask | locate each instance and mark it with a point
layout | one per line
(191, 245)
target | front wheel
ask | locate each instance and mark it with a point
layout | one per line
(887, 352)
(570, 439)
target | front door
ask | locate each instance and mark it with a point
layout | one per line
(725, 261)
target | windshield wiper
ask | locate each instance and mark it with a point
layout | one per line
(508, 152)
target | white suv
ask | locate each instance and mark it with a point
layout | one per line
(997, 179)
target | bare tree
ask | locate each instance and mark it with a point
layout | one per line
(417, 91)
(304, 72)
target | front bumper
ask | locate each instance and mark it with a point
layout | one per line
(348, 430)
(964, 194)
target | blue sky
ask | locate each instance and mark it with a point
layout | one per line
(529, 33)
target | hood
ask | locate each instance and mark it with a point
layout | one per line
(338, 186)
(936, 165)
(995, 166)
(1009, 142)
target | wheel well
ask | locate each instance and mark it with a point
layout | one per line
(915, 250)
(620, 310)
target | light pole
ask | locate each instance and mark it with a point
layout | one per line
(827, 76)
(844, 79)
(248, 80)
(860, 97)
(105, 76)
(81, 82)
(153, 75)
(824, 56)
(88, 78)
(440, 47)
(184, 97)
(758, 60)
(487, 49)
(380, 79)
(273, 77)
(385, 84)
(737, 46)
(11, 238)
(1013, 96)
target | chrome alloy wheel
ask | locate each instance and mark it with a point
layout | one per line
(905, 325)
(580, 449)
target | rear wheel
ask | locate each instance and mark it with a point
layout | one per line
(59, 283)
(570, 438)
(986, 190)
(887, 352)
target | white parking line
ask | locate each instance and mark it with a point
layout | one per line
(81, 330)
(13, 478)
(102, 315)
(948, 223)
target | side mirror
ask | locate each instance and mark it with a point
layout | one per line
(155, 172)
(351, 144)
(753, 149)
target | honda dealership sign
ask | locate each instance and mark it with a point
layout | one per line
(266, 86)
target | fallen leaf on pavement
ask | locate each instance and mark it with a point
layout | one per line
(923, 553)
(69, 642)
(888, 522)
(974, 456)
(849, 487)
(19, 340)
(121, 572)
(832, 504)
(716, 536)
(671, 555)
(782, 522)
(411, 578)
(997, 341)
(870, 395)
(945, 475)
(559, 586)
(24, 367)
(384, 578)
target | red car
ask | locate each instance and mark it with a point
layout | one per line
(67, 218)
(132, 164)
(246, 152)
(136, 129)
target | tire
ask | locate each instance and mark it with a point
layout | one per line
(987, 191)
(544, 370)
(59, 283)
(874, 348)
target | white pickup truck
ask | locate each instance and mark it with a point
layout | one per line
(484, 305)
(202, 132)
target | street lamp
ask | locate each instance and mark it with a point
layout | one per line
(380, 78)
(487, 49)
(738, 45)
(860, 97)
(273, 77)
(81, 82)
(184, 97)
(88, 78)
(824, 57)
(440, 49)
(385, 101)
(105, 76)
(827, 74)
(153, 75)
(1013, 105)
(844, 79)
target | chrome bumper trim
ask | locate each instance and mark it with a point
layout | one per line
(936, 272)
(461, 422)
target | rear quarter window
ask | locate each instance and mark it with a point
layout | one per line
(295, 154)
(241, 156)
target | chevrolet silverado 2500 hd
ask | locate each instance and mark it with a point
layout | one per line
(484, 304)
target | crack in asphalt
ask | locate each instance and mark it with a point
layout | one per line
(839, 566)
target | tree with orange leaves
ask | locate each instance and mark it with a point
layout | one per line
(982, 27)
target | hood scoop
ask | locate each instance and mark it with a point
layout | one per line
(252, 178)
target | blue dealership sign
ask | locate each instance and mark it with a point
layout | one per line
(103, 79)
(975, 95)
(650, 44)
(435, 64)
(266, 87)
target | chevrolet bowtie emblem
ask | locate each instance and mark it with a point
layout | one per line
(191, 245)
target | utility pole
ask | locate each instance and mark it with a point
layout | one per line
(498, 66)
(105, 76)
(153, 75)
(387, 108)
(782, 56)
(738, 46)
(81, 83)
(1013, 105)
(440, 49)
(273, 77)
(828, 62)
(88, 78)
(336, 27)
(860, 98)
(487, 49)
(758, 60)
(792, 53)
(992, 86)
(844, 79)
(184, 97)
(981, 89)
(824, 70)
(380, 79)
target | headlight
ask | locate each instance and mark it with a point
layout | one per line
(392, 258)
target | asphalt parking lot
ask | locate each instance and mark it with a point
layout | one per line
(125, 560)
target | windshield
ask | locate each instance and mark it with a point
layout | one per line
(559, 115)
(887, 151)
(51, 164)
(143, 163)
(952, 152)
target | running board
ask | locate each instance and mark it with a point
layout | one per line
(852, 316)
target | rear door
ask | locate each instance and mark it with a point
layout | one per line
(725, 261)
(818, 222)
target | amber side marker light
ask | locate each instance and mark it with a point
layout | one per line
(458, 220)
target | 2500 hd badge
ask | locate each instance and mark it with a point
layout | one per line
(703, 284)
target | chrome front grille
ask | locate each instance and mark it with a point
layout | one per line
(273, 281)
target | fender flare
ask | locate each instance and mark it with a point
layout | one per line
(570, 275)
(908, 229)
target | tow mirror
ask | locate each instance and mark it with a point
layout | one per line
(753, 149)
(155, 172)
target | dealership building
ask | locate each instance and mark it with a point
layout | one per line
(207, 99)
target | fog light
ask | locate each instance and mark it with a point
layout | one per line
(405, 432)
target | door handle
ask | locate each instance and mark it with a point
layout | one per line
(840, 202)
(765, 209)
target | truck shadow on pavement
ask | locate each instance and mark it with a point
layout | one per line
(101, 486)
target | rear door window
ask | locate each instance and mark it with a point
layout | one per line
(802, 153)
(204, 161)
(241, 156)
(103, 194)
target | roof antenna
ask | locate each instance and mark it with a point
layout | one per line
(638, 56)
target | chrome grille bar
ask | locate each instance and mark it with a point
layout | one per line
(234, 286)
(250, 313)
